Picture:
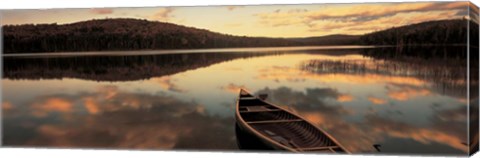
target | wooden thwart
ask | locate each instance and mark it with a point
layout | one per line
(258, 108)
(248, 98)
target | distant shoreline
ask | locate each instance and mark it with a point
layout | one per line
(188, 51)
(214, 50)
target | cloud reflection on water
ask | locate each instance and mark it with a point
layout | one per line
(118, 119)
(360, 135)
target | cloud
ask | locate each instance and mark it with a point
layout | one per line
(168, 84)
(361, 27)
(280, 73)
(104, 99)
(403, 93)
(376, 101)
(344, 98)
(439, 131)
(277, 18)
(53, 104)
(91, 105)
(233, 88)
(108, 92)
(446, 127)
(313, 98)
(7, 105)
(462, 13)
(159, 121)
(163, 14)
(125, 120)
(52, 131)
(101, 11)
(372, 12)
(361, 18)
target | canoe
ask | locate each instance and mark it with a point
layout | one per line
(281, 129)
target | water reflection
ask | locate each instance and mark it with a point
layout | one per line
(447, 126)
(110, 117)
(444, 67)
(408, 100)
(403, 83)
(113, 68)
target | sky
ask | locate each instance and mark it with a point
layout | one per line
(263, 20)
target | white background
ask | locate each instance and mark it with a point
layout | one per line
(83, 153)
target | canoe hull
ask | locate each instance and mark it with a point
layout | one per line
(273, 127)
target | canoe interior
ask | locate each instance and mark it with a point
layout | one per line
(283, 127)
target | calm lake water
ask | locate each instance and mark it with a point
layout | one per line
(407, 100)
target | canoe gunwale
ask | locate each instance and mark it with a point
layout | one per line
(276, 144)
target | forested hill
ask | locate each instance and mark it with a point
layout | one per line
(126, 34)
(440, 32)
(134, 34)
(121, 34)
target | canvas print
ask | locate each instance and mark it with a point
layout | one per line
(358, 78)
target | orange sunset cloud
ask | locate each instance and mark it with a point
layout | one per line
(7, 105)
(376, 101)
(233, 88)
(407, 93)
(345, 98)
(52, 105)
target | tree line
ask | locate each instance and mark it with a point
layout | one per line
(442, 32)
(135, 34)
(121, 34)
